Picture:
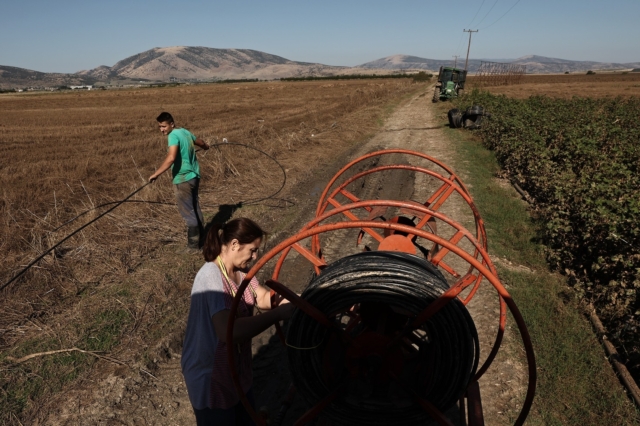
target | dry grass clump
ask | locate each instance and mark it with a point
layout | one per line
(115, 287)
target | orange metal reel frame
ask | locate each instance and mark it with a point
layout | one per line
(480, 265)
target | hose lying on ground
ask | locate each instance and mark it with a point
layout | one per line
(126, 199)
(37, 259)
(376, 381)
(244, 203)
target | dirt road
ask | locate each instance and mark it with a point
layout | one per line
(160, 397)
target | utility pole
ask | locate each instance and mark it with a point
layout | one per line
(469, 47)
(456, 60)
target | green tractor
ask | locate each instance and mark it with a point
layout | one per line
(450, 82)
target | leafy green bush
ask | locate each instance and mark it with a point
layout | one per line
(580, 160)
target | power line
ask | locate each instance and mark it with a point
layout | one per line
(514, 5)
(485, 16)
(459, 43)
(474, 16)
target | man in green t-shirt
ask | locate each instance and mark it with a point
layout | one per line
(181, 158)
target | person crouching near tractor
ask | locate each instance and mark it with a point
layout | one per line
(228, 250)
(181, 158)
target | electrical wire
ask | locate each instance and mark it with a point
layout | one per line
(468, 26)
(487, 14)
(502, 15)
(459, 43)
(126, 199)
(474, 16)
(385, 291)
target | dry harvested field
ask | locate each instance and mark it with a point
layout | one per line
(602, 85)
(118, 286)
(65, 153)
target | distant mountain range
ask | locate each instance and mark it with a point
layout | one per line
(183, 64)
(535, 64)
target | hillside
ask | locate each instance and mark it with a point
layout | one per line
(21, 77)
(406, 62)
(204, 63)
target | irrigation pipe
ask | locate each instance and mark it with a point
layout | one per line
(613, 356)
(118, 203)
(284, 173)
(37, 259)
(257, 200)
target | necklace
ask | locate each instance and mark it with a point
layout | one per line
(232, 287)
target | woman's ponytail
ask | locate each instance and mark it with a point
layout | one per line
(212, 243)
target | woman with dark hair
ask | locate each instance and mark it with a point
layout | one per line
(228, 250)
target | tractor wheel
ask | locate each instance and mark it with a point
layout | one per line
(455, 118)
(436, 94)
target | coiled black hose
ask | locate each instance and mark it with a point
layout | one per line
(375, 378)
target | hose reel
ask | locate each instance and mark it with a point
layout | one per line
(381, 364)
(381, 337)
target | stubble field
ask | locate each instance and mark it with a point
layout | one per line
(599, 85)
(71, 154)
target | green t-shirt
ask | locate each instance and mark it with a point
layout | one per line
(185, 167)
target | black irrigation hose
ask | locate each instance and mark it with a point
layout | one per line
(380, 284)
(37, 259)
(284, 173)
(107, 204)
(244, 203)
(118, 203)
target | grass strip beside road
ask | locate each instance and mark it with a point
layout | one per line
(576, 384)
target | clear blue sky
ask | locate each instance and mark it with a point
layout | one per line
(72, 35)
